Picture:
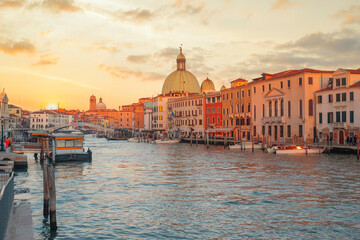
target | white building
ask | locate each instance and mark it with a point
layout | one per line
(283, 104)
(338, 107)
(148, 115)
(45, 119)
(4, 109)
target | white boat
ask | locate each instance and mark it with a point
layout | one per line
(296, 150)
(167, 141)
(247, 145)
(69, 147)
(133, 140)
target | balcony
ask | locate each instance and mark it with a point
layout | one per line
(231, 115)
(273, 120)
(248, 114)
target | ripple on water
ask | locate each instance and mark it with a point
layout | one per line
(147, 191)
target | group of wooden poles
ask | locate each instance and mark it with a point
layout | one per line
(49, 185)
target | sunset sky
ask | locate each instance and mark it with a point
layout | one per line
(63, 51)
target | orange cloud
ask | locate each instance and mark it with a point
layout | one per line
(138, 58)
(350, 15)
(46, 59)
(13, 47)
(282, 4)
(120, 73)
(11, 4)
(58, 5)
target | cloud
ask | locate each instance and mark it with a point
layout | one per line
(105, 47)
(135, 15)
(188, 6)
(123, 73)
(321, 50)
(350, 15)
(138, 58)
(57, 6)
(167, 53)
(283, 4)
(11, 3)
(47, 59)
(14, 47)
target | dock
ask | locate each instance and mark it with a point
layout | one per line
(20, 160)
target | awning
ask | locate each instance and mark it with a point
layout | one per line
(216, 130)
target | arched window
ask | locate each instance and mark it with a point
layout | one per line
(311, 108)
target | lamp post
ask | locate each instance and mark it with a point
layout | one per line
(2, 135)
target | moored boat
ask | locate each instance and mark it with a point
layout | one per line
(69, 147)
(168, 141)
(296, 150)
(247, 145)
(133, 140)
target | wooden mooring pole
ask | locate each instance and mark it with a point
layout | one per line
(46, 188)
(52, 193)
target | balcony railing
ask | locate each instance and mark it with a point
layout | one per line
(273, 120)
(339, 125)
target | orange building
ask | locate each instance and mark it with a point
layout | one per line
(236, 107)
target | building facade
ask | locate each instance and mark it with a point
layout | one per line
(284, 104)
(337, 107)
(213, 110)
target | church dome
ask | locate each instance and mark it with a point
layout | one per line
(222, 88)
(181, 80)
(207, 86)
(100, 105)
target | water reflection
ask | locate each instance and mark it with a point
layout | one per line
(137, 191)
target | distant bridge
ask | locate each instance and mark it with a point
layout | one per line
(83, 124)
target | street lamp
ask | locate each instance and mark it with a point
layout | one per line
(2, 135)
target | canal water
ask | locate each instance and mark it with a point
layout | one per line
(150, 191)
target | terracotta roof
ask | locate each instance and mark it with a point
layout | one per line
(239, 79)
(288, 73)
(357, 84)
(353, 71)
(325, 89)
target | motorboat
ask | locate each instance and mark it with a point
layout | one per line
(247, 145)
(133, 140)
(169, 141)
(296, 150)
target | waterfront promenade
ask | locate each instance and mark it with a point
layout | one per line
(150, 191)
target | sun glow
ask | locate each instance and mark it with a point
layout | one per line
(51, 106)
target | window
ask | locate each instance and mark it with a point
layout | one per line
(351, 116)
(249, 93)
(254, 131)
(343, 116)
(338, 82)
(330, 98)
(330, 117)
(208, 110)
(263, 110)
(223, 96)
(263, 88)
(270, 109)
(300, 108)
(249, 107)
(269, 86)
(351, 96)
(288, 83)
(160, 117)
(319, 99)
(281, 131)
(231, 96)
(254, 112)
(218, 120)
(282, 108)
(200, 122)
(227, 96)
(300, 81)
(289, 131)
(254, 89)
(300, 131)
(311, 108)
(276, 108)
(338, 97)
(343, 81)
(310, 81)
(237, 94)
(263, 130)
(320, 118)
(343, 97)
(337, 116)
(281, 85)
(242, 94)
(289, 109)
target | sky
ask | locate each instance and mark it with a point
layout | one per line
(63, 51)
